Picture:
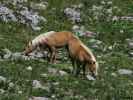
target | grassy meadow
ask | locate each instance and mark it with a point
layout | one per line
(112, 54)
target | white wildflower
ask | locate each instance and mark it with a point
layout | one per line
(109, 11)
(2, 91)
(29, 68)
(121, 31)
(75, 28)
(114, 74)
(11, 84)
(44, 75)
(110, 47)
(109, 2)
(53, 96)
(20, 92)
(102, 2)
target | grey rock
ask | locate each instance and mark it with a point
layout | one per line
(129, 18)
(73, 14)
(53, 71)
(22, 14)
(125, 71)
(2, 79)
(37, 84)
(38, 98)
(32, 17)
(6, 14)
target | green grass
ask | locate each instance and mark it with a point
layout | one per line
(14, 36)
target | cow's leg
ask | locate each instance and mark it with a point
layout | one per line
(53, 52)
(84, 69)
(78, 68)
(54, 56)
(71, 59)
(74, 66)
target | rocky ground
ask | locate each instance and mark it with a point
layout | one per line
(104, 26)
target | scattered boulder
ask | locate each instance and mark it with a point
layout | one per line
(7, 54)
(81, 31)
(32, 18)
(22, 14)
(73, 14)
(7, 14)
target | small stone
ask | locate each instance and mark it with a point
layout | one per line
(62, 73)
(89, 77)
(52, 71)
(36, 84)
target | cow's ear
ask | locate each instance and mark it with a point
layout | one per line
(29, 43)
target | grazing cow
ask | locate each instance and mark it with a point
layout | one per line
(81, 56)
(51, 41)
